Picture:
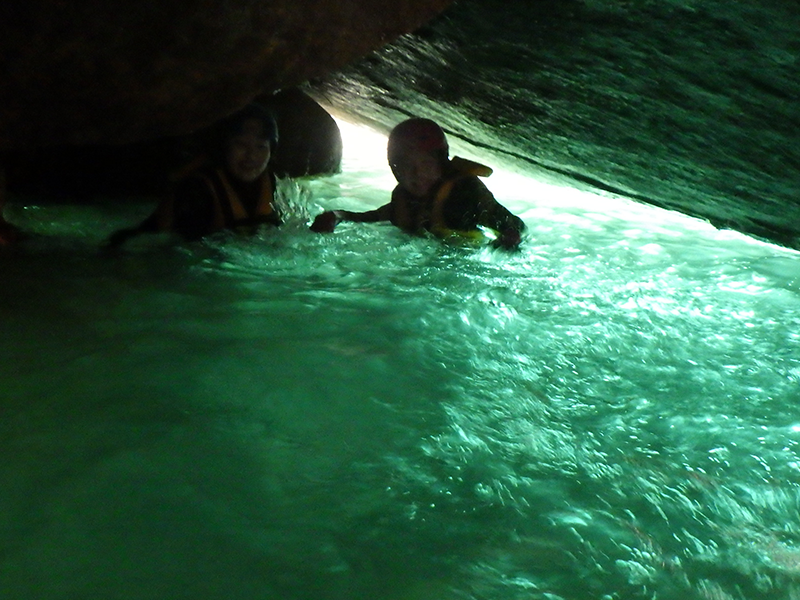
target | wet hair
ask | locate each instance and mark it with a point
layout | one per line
(213, 140)
(233, 125)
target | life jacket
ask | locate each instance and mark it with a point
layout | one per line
(229, 211)
(462, 167)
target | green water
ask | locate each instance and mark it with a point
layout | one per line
(610, 413)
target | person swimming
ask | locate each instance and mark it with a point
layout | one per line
(434, 193)
(232, 188)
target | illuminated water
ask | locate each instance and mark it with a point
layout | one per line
(610, 413)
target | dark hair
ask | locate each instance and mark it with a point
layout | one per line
(232, 125)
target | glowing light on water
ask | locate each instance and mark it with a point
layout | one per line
(611, 412)
(532, 198)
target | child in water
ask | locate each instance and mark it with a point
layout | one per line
(434, 193)
(233, 190)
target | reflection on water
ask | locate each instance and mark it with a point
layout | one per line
(609, 413)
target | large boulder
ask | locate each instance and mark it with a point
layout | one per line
(96, 72)
(310, 141)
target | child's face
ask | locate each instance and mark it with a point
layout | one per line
(418, 172)
(248, 152)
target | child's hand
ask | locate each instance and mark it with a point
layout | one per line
(509, 239)
(325, 222)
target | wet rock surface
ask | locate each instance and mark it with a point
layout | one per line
(310, 142)
(691, 106)
(687, 105)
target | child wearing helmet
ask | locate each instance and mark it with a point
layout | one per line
(231, 188)
(434, 193)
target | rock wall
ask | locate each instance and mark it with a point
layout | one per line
(689, 105)
(97, 72)
(309, 144)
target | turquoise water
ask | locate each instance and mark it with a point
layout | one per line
(610, 413)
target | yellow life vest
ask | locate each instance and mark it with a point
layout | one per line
(464, 168)
(237, 218)
(264, 206)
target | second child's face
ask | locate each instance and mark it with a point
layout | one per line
(418, 172)
(247, 153)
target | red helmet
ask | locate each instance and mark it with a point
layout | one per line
(416, 135)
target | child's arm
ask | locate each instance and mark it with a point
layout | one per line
(327, 221)
(488, 212)
(509, 227)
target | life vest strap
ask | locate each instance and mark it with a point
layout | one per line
(470, 167)
(238, 214)
(464, 168)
